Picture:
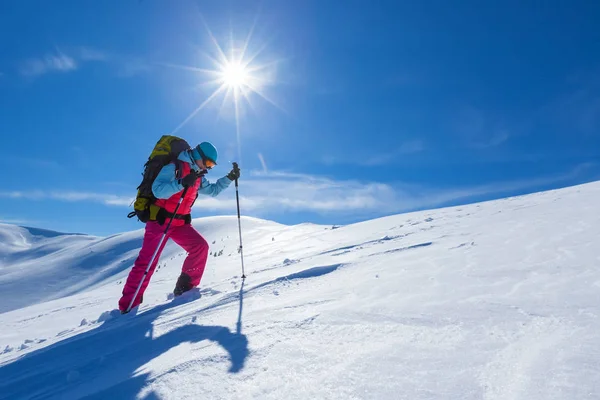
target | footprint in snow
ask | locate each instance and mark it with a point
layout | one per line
(62, 333)
(189, 296)
(108, 315)
(463, 245)
(209, 292)
(387, 237)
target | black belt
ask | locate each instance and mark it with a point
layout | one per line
(163, 214)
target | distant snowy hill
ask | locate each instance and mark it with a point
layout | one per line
(38, 265)
(496, 300)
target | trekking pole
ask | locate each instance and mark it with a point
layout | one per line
(237, 198)
(162, 239)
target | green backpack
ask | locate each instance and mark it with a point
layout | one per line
(166, 151)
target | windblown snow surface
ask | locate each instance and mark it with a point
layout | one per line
(497, 300)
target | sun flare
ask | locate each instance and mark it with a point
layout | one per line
(238, 77)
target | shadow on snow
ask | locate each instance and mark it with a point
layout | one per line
(102, 363)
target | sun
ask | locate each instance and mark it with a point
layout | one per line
(235, 75)
(238, 75)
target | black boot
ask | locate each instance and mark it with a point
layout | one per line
(184, 283)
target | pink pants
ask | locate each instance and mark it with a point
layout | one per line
(185, 236)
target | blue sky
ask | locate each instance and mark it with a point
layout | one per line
(365, 108)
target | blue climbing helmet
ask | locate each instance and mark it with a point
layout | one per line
(205, 151)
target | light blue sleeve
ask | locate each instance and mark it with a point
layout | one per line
(213, 189)
(165, 185)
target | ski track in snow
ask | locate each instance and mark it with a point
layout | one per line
(497, 300)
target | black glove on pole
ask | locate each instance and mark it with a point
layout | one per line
(234, 175)
(235, 172)
(190, 179)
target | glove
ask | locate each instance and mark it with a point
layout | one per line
(235, 173)
(190, 179)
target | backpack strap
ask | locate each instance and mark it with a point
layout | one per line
(178, 168)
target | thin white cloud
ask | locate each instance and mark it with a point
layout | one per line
(372, 161)
(406, 148)
(262, 162)
(411, 147)
(17, 221)
(270, 193)
(329, 159)
(57, 62)
(128, 67)
(380, 158)
(577, 111)
(125, 66)
(480, 130)
(282, 192)
(33, 162)
(69, 196)
(92, 54)
(496, 139)
(282, 174)
(108, 199)
(275, 192)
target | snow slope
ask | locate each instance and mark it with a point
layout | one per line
(497, 300)
(40, 265)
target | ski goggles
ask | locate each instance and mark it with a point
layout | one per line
(208, 163)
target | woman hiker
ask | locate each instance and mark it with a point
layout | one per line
(168, 189)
